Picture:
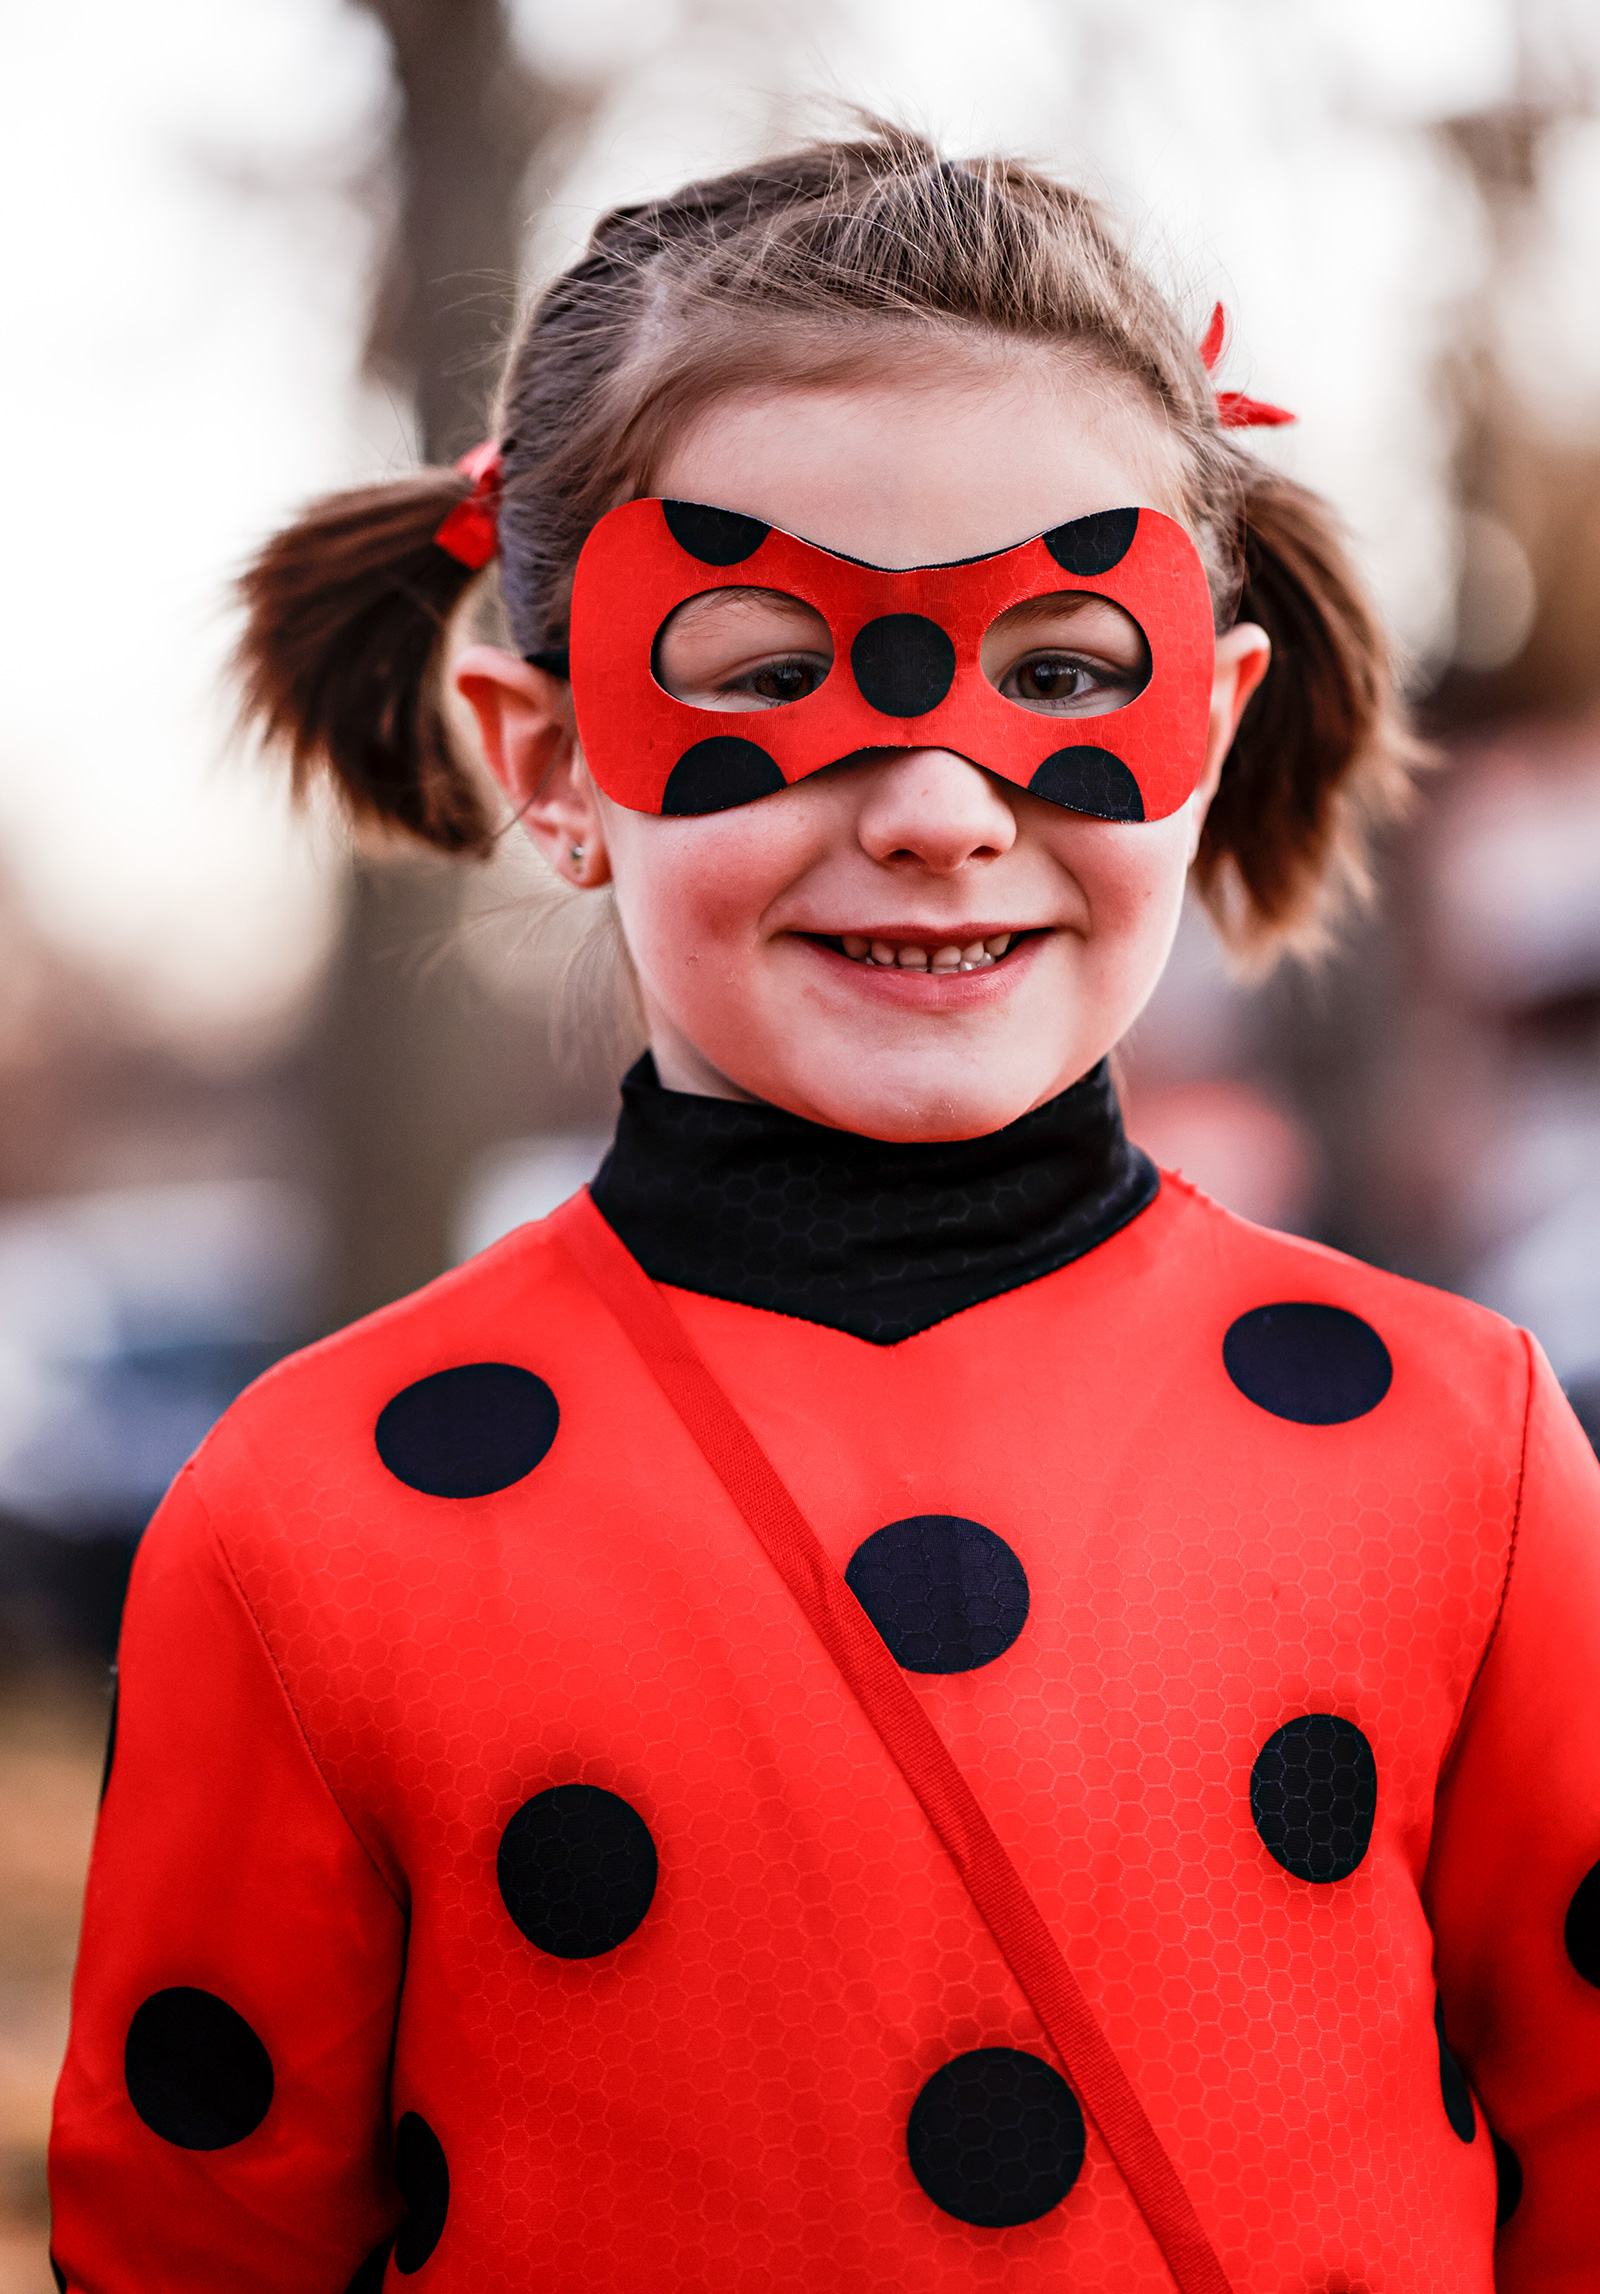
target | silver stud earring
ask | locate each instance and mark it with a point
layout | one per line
(577, 856)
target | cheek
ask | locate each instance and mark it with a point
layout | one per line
(1133, 878)
(687, 886)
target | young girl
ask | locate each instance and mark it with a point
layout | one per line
(891, 1699)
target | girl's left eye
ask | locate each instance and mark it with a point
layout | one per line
(1062, 680)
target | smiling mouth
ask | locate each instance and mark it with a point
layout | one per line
(936, 956)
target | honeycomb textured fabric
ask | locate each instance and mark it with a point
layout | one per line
(342, 1695)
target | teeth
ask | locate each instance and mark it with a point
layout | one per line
(914, 958)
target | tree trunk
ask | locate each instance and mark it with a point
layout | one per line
(419, 1069)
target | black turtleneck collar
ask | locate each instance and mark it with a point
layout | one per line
(743, 1201)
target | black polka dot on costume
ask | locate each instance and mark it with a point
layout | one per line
(1453, 2086)
(996, 2137)
(370, 2274)
(717, 774)
(946, 1594)
(421, 2170)
(1093, 545)
(197, 2074)
(468, 1431)
(1089, 780)
(715, 537)
(1314, 1796)
(904, 664)
(1583, 1926)
(1508, 2180)
(1316, 1365)
(577, 1870)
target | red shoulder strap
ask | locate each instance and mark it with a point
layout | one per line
(909, 1736)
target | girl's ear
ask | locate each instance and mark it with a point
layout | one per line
(1244, 655)
(530, 738)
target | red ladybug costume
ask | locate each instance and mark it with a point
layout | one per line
(494, 1864)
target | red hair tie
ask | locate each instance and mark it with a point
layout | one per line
(1234, 410)
(471, 532)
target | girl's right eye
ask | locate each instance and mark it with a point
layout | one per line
(742, 649)
(776, 682)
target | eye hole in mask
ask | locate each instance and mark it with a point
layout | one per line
(742, 649)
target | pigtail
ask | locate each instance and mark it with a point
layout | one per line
(342, 655)
(1323, 757)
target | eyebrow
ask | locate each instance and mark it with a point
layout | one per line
(742, 599)
(1058, 602)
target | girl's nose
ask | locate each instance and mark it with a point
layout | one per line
(932, 807)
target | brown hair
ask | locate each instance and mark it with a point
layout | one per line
(792, 270)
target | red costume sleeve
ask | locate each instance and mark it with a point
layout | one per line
(227, 1896)
(1513, 1886)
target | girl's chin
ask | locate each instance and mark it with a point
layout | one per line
(909, 1099)
(921, 1126)
(897, 1054)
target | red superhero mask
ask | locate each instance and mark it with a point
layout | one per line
(906, 671)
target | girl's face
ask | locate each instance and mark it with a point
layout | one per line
(807, 949)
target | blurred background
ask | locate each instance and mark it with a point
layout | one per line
(255, 1080)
